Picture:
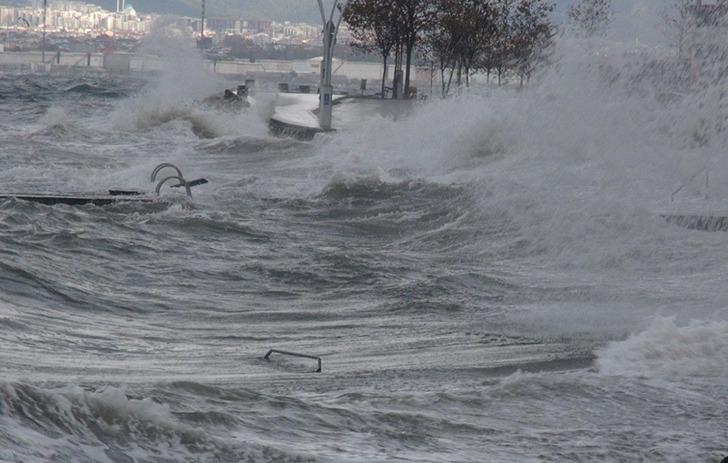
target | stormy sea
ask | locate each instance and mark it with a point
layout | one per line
(487, 279)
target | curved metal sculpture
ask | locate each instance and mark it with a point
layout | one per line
(163, 165)
(179, 177)
(182, 182)
(113, 195)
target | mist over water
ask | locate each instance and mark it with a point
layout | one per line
(486, 279)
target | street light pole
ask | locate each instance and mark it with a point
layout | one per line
(43, 43)
(326, 91)
(202, 22)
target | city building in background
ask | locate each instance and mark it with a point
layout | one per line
(76, 18)
(79, 27)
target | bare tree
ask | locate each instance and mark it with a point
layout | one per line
(502, 47)
(479, 30)
(462, 36)
(591, 17)
(678, 17)
(440, 45)
(416, 17)
(532, 36)
(375, 27)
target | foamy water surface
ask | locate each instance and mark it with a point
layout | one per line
(487, 279)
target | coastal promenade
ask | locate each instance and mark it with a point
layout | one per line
(126, 62)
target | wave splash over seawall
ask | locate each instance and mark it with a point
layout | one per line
(492, 259)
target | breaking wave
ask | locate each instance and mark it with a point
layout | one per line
(668, 350)
(496, 230)
(75, 424)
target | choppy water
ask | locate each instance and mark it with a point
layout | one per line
(486, 280)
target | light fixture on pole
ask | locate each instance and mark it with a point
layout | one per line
(326, 91)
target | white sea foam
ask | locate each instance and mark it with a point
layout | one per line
(183, 81)
(514, 229)
(668, 350)
(582, 162)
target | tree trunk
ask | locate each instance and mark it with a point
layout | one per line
(442, 79)
(397, 67)
(384, 77)
(449, 80)
(432, 78)
(410, 48)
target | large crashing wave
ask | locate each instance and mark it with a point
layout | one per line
(668, 350)
(106, 425)
(579, 166)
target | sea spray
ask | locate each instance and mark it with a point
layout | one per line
(668, 350)
(425, 260)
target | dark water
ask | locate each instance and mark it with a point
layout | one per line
(483, 280)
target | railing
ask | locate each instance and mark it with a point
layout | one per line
(294, 354)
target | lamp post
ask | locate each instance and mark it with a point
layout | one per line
(326, 92)
(202, 22)
(43, 42)
(203, 43)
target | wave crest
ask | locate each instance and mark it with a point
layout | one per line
(666, 349)
(107, 425)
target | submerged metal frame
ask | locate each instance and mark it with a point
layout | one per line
(693, 177)
(294, 354)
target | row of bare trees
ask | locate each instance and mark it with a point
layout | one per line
(458, 37)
